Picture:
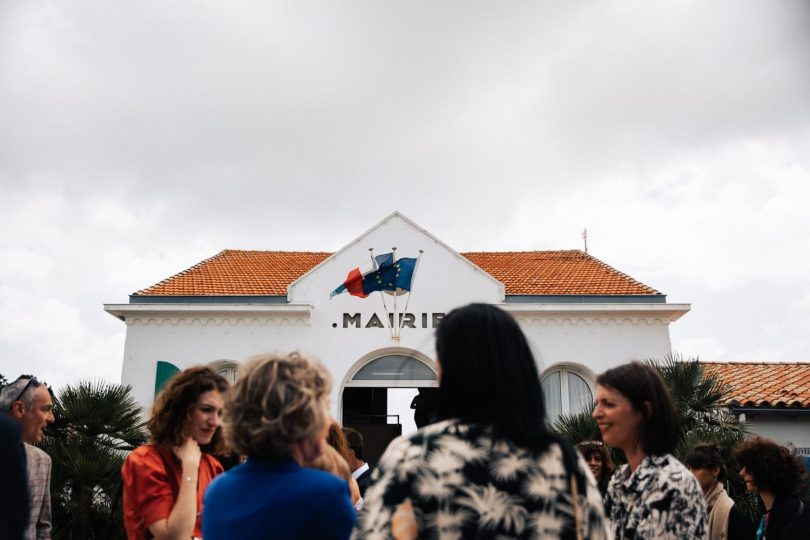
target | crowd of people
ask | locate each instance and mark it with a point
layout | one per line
(487, 466)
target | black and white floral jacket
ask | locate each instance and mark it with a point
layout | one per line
(450, 481)
(660, 500)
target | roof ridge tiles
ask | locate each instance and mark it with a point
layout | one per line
(599, 261)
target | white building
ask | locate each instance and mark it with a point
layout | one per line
(580, 315)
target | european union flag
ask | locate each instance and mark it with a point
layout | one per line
(391, 276)
(405, 268)
(386, 259)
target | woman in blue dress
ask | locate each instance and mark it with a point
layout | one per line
(277, 415)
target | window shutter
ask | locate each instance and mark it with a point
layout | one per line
(163, 373)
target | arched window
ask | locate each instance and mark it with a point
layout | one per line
(395, 367)
(566, 391)
(226, 368)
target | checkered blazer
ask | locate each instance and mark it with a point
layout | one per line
(39, 480)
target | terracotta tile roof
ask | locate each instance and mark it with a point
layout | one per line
(763, 384)
(268, 273)
(556, 272)
(239, 273)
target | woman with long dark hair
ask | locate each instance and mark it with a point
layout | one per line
(726, 522)
(491, 467)
(164, 480)
(653, 495)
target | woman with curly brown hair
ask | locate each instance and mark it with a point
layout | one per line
(775, 474)
(164, 480)
(277, 415)
(597, 457)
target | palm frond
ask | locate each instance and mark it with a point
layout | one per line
(96, 425)
(578, 427)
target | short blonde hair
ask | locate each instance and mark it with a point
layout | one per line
(276, 402)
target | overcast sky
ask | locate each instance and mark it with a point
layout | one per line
(138, 138)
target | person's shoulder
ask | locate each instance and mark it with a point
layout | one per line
(36, 454)
(147, 455)
(669, 464)
(662, 464)
(404, 447)
(620, 475)
(320, 478)
(672, 472)
(795, 514)
(442, 430)
(9, 428)
(145, 451)
(222, 483)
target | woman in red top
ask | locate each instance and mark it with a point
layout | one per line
(164, 480)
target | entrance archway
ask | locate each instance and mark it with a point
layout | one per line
(377, 382)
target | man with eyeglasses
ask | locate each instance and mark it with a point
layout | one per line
(29, 402)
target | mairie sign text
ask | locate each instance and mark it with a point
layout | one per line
(406, 320)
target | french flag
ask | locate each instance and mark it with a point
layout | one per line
(354, 281)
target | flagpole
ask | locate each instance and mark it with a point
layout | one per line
(382, 297)
(394, 326)
(413, 277)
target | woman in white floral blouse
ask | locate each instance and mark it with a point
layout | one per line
(654, 495)
(491, 469)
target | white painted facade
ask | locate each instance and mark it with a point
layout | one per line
(785, 428)
(586, 337)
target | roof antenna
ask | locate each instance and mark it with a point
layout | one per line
(585, 239)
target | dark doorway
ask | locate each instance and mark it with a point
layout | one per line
(366, 405)
(365, 409)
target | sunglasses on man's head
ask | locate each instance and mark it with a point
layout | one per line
(31, 380)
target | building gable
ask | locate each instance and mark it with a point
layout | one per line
(441, 272)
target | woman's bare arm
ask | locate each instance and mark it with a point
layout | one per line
(181, 520)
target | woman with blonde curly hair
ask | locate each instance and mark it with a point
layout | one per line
(164, 480)
(277, 415)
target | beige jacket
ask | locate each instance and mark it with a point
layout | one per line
(39, 482)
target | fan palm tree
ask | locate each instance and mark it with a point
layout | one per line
(577, 427)
(698, 399)
(96, 425)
